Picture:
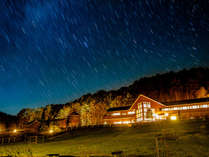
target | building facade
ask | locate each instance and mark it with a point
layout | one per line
(145, 109)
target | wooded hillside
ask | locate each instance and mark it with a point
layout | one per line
(172, 86)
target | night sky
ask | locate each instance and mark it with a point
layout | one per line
(53, 51)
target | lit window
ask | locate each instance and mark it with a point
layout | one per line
(156, 116)
(204, 106)
(184, 108)
(173, 117)
(139, 119)
(131, 112)
(116, 114)
(194, 107)
(124, 113)
(118, 122)
(126, 122)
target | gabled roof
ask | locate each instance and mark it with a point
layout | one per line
(118, 108)
(143, 96)
(129, 107)
(190, 101)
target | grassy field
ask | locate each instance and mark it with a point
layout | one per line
(176, 138)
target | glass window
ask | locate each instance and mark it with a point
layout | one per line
(118, 122)
(131, 112)
(116, 114)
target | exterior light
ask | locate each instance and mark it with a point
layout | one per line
(51, 131)
(166, 114)
(14, 131)
(173, 117)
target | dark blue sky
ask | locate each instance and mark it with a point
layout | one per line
(55, 51)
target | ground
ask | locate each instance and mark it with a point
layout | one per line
(175, 138)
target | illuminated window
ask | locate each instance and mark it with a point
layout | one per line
(131, 112)
(204, 106)
(146, 104)
(116, 114)
(118, 122)
(123, 113)
(194, 107)
(173, 118)
(139, 119)
(184, 108)
(126, 122)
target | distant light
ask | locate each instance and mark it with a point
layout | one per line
(51, 131)
(14, 131)
(173, 117)
(166, 114)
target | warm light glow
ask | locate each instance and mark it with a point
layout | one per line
(126, 122)
(166, 114)
(51, 131)
(131, 112)
(118, 122)
(116, 114)
(14, 131)
(185, 107)
(122, 122)
(173, 117)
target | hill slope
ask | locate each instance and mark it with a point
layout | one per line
(181, 138)
(172, 86)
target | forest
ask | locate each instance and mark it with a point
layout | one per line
(166, 87)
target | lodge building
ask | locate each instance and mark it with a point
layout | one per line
(145, 109)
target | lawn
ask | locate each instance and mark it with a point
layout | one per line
(175, 138)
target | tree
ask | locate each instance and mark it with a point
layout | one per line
(64, 112)
(84, 115)
(201, 93)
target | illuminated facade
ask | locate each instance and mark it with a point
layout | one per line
(145, 109)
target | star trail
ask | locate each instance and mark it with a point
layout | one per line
(52, 52)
